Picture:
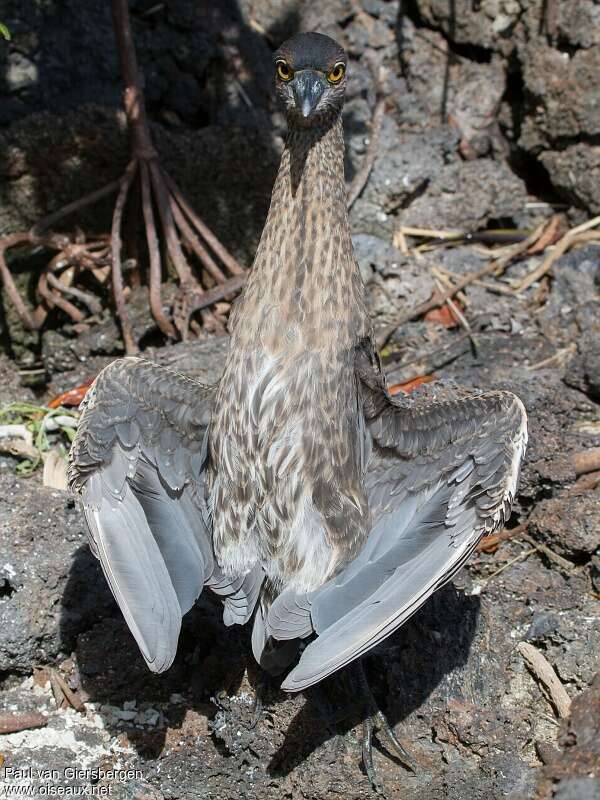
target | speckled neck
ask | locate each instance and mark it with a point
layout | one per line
(305, 275)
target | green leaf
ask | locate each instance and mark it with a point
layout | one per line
(5, 32)
(33, 418)
(69, 433)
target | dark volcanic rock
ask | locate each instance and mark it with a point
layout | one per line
(574, 772)
(394, 281)
(562, 94)
(466, 196)
(579, 22)
(576, 172)
(570, 525)
(11, 389)
(43, 544)
(487, 24)
(50, 161)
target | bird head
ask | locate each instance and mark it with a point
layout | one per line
(310, 76)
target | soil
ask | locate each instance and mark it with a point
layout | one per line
(491, 122)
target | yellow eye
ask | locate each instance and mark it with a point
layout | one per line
(337, 73)
(284, 71)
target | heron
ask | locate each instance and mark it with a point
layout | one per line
(316, 505)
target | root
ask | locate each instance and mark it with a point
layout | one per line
(166, 216)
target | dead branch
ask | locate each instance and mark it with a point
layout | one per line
(63, 694)
(13, 723)
(218, 293)
(117, 271)
(560, 562)
(578, 235)
(586, 483)
(496, 266)
(544, 672)
(488, 544)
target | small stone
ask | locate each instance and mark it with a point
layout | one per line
(126, 716)
(21, 73)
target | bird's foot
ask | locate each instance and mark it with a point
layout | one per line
(374, 721)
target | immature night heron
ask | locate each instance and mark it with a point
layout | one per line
(297, 489)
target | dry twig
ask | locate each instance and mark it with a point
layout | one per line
(545, 673)
(490, 543)
(63, 694)
(578, 235)
(548, 237)
(586, 483)
(561, 562)
(13, 723)
(496, 266)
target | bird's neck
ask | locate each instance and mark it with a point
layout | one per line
(305, 274)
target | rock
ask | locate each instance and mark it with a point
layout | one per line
(575, 171)
(227, 173)
(543, 624)
(563, 102)
(407, 164)
(21, 72)
(473, 104)
(62, 754)
(359, 37)
(11, 388)
(466, 196)
(62, 350)
(569, 525)
(573, 773)
(595, 572)
(579, 22)
(133, 789)
(487, 25)
(584, 370)
(184, 96)
(578, 789)
(46, 570)
(394, 281)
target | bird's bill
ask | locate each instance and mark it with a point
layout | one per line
(308, 89)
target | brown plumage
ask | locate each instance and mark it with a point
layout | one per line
(297, 488)
(286, 405)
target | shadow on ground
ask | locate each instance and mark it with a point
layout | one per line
(214, 664)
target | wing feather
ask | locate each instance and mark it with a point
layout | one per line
(138, 462)
(443, 471)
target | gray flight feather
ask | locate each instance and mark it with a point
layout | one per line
(432, 499)
(138, 462)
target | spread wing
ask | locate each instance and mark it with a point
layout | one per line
(442, 472)
(138, 462)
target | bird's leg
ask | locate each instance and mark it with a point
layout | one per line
(332, 713)
(374, 720)
(259, 701)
